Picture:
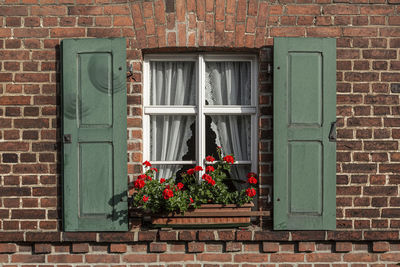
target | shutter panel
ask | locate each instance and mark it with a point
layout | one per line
(94, 135)
(304, 110)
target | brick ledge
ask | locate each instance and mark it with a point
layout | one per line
(200, 235)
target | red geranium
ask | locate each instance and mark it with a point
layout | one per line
(154, 169)
(251, 192)
(190, 171)
(191, 200)
(147, 164)
(162, 180)
(198, 168)
(229, 159)
(210, 169)
(206, 177)
(180, 186)
(210, 158)
(145, 198)
(252, 180)
(251, 174)
(142, 176)
(139, 183)
(209, 179)
(168, 193)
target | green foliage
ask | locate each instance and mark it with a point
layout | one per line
(167, 195)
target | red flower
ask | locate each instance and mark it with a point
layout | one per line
(145, 198)
(198, 168)
(147, 164)
(154, 169)
(252, 180)
(168, 193)
(162, 180)
(139, 183)
(210, 158)
(206, 177)
(190, 171)
(180, 185)
(142, 176)
(251, 192)
(229, 159)
(149, 178)
(191, 200)
(251, 174)
(209, 179)
(210, 169)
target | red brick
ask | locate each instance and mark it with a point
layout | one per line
(28, 258)
(32, 77)
(42, 248)
(324, 32)
(49, 10)
(343, 246)
(80, 248)
(285, 257)
(270, 247)
(8, 248)
(30, 33)
(287, 32)
(14, 10)
(215, 257)
(102, 258)
(158, 247)
(306, 246)
(355, 32)
(360, 257)
(85, 10)
(323, 257)
(196, 247)
(118, 248)
(65, 258)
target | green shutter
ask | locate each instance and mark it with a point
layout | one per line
(94, 117)
(304, 110)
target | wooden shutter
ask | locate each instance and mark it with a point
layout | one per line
(94, 135)
(304, 110)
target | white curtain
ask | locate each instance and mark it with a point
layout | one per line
(172, 83)
(228, 83)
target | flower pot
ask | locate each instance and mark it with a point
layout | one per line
(206, 216)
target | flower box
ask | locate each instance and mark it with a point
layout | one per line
(206, 216)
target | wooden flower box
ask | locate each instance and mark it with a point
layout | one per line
(206, 216)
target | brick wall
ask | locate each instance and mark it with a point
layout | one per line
(201, 249)
(368, 88)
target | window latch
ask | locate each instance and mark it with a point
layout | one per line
(332, 132)
(130, 72)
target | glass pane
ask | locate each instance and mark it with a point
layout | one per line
(172, 83)
(168, 171)
(232, 133)
(228, 83)
(172, 138)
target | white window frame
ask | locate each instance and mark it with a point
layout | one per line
(201, 109)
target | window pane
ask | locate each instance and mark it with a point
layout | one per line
(172, 83)
(228, 83)
(168, 171)
(172, 138)
(232, 133)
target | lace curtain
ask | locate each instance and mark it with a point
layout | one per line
(229, 83)
(172, 83)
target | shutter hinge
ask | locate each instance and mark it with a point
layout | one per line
(332, 132)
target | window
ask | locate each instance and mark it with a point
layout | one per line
(194, 103)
